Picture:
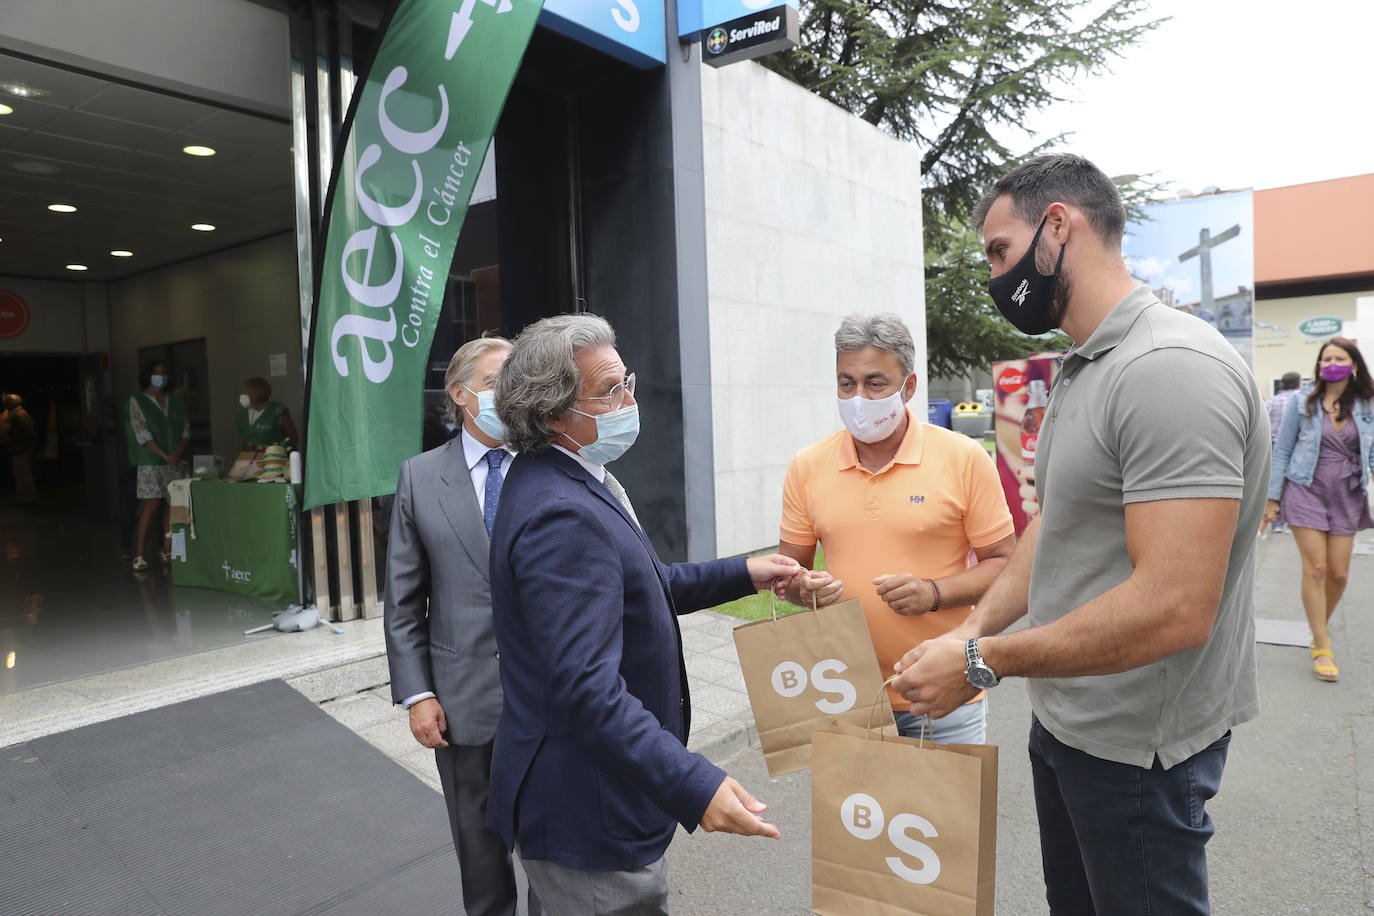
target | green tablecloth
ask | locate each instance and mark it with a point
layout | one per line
(245, 539)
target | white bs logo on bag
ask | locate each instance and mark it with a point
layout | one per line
(789, 680)
(863, 817)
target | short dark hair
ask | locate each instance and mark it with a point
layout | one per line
(258, 389)
(145, 375)
(1290, 380)
(1059, 178)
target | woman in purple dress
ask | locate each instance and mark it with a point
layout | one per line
(1324, 446)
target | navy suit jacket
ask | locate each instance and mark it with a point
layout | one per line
(590, 768)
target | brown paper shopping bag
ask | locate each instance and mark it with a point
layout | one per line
(898, 826)
(802, 670)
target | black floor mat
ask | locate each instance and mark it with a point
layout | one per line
(246, 802)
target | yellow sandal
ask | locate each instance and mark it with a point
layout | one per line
(1325, 671)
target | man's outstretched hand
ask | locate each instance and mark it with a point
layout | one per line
(774, 571)
(734, 810)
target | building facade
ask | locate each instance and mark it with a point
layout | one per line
(723, 220)
(1314, 272)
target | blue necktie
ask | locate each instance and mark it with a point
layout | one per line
(493, 489)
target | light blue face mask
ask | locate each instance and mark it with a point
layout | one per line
(615, 433)
(487, 420)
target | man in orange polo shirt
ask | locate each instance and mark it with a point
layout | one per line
(897, 504)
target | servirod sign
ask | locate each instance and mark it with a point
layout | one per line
(416, 138)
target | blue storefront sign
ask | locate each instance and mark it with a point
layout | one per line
(631, 30)
(694, 17)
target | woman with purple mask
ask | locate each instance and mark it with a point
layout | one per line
(1324, 446)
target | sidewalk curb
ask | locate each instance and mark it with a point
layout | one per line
(723, 740)
(73, 704)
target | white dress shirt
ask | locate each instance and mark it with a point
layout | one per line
(596, 470)
(599, 472)
(475, 453)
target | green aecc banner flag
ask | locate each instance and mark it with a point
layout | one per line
(416, 139)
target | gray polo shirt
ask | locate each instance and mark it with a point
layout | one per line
(1154, 405)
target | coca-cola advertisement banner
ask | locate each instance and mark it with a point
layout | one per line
(1020, 392)
(416, 136)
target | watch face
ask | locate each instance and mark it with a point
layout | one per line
(981, 676)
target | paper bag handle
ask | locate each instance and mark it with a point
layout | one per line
(882, 692)
(925, 720)
(773, 604)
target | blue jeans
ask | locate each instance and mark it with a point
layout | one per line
(966, 725)
(1119, 839)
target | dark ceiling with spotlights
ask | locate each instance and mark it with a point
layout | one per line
(115, 153)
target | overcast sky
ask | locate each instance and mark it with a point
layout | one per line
(1233, 93)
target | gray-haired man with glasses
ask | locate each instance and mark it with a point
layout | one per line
(590, 773)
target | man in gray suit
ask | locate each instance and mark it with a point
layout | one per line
(440, 644)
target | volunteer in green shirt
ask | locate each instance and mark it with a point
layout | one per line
(262, 422)
(157, 435)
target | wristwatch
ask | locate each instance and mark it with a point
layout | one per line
(977, 671)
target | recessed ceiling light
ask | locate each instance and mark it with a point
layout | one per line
(202, 227)
(5, 109)
(20, 91)
(76, 267)
(121, 253)
(61, 208)
(197, 150)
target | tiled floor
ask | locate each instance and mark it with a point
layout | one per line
(71, 607)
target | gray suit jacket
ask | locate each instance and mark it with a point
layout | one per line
(438, 598)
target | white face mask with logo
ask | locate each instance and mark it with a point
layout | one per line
(872, 420)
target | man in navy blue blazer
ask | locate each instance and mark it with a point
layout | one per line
(590, 771)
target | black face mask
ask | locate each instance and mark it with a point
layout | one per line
(1024, 295)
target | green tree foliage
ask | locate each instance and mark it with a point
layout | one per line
(956, 77)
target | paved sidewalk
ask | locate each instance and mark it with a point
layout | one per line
(1292, 834)
(358, 694)
(71, 704)
(348, 676)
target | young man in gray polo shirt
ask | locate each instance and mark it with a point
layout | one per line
(1138, 574)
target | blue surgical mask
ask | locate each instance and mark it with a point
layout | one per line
(615, 433)
(486, 419)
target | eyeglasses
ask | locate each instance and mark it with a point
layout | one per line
(615, 399)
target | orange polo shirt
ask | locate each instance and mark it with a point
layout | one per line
(922, 513)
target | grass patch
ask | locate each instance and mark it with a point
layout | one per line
(758, 606)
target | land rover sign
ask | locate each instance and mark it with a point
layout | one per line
(1321, 326)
